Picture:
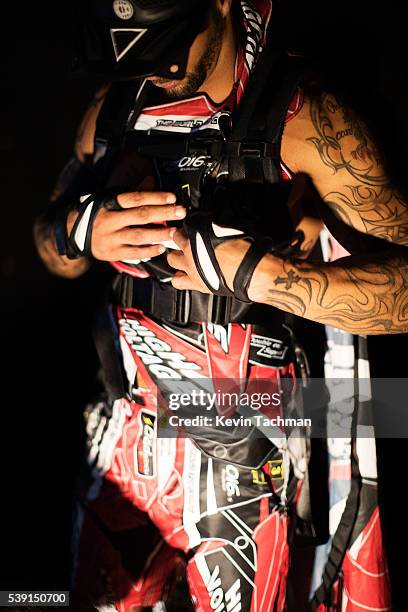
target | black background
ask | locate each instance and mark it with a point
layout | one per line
(48, 360)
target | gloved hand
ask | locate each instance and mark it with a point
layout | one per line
(220, 260)
(117, 226)
(256, 216)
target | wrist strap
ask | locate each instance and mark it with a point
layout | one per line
(79, 242)
(205, 236)
(253, 256)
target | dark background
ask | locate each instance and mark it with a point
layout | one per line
(48, 361)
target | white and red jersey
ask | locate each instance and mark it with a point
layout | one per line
(199, 112)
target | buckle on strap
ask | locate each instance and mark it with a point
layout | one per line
(219, 309)
(168, 303)
(252, 148)
(163, 301)
(160, 300)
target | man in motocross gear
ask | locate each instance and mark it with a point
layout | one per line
(228, 503)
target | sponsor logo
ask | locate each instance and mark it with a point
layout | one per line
(180, 123)
(276, 469)
(125, 39)
(193, 162)
(258, 477)
(145, 444)
(171, 121)
(220, 601)
(230, 481)
(156, 354)
(123, 9)
(269, 348)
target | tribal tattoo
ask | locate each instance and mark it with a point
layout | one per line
(373, 298)
(363, 160)
(361, 193)
(380, 210)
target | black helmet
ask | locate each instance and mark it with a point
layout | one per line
(127, 39)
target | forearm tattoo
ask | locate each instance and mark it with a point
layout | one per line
(363, 197)
(377, 208)
(360, 294)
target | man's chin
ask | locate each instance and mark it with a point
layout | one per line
(177, 88)
(169, 85)
(169, 89)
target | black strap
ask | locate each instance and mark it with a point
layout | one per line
(339, 547)
(248, 107)
(342, 537)
(316, 501)
(115, 112)
(162, 301)
(105, 335)
(260, 119)
(253, 256)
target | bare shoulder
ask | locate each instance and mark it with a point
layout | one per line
(84, 140)
(329, 134)
(332, 144)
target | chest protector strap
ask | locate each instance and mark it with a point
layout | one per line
(255, 140)
(252, 152)
(248, 150)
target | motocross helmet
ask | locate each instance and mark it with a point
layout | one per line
(131, 39)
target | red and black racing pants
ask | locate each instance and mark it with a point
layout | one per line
(230, 521)
(155, 504)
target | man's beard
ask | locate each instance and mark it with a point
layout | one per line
(192, 81)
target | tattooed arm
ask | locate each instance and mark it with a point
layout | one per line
(334, 147)
(364, 293)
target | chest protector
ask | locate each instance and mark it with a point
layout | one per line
(232, 172)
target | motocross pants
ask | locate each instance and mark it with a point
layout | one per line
(155, 504)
